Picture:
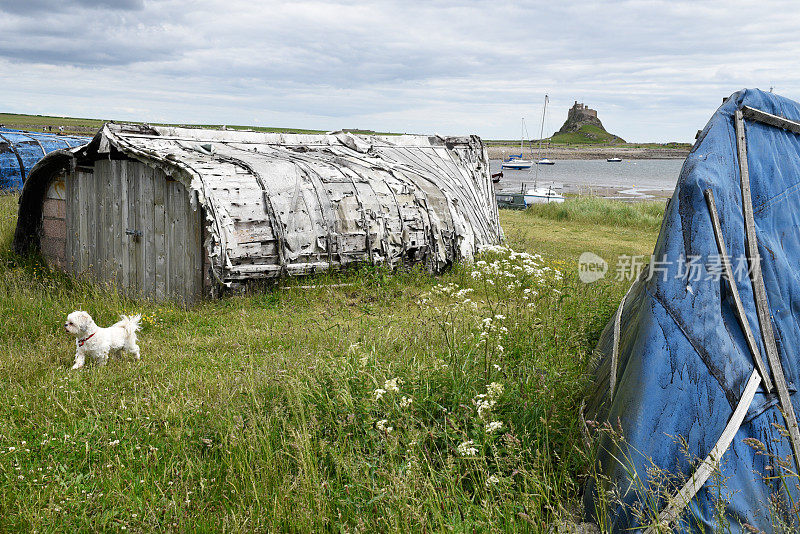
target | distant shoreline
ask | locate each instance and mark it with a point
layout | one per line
(593, 152)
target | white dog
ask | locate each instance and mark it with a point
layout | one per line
(97, 342)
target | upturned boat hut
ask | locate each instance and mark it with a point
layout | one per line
(20, 151)
(178, 212)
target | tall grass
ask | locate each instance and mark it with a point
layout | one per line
(599, 211)
(264, 411)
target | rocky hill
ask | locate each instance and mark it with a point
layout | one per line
(582, 126)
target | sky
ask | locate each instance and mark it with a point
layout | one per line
(654, 70)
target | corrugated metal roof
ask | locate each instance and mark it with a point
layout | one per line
(20, 151)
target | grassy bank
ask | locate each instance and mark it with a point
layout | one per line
(72, 125)
(586, 134)
(398, 402)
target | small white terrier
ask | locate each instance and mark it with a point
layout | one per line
(97, 342)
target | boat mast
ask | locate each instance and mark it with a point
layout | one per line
(541, 131)
(521, 137)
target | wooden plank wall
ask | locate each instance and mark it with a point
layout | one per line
(117, 198)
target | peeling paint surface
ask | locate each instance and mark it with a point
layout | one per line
(291, 204)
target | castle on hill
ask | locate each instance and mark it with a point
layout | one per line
(580, 115)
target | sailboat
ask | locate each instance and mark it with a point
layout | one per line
(515, 161)
(542, 195)
(544, 160)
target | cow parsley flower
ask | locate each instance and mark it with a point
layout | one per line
(494, 390)
(493, 426)
(379, 393)
(467, 448)
(391, 385)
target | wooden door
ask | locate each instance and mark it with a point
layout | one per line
(134, 226)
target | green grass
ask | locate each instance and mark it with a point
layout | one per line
(90, 126)
(598, 211)
(258, 412)
(586, 134)
(35, 122)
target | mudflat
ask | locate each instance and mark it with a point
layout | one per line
(594, 152)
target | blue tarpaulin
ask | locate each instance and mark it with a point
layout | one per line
(20, 151)
(682, 364)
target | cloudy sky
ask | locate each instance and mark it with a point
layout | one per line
(654, 70)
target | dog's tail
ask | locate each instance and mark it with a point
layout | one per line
(131, 323)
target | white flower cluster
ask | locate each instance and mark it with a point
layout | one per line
(506, 271)
(454, 295)
(389, 386)
(485, 402)
(492, 325)
(383, 426)
(467, 448)
(493, 426)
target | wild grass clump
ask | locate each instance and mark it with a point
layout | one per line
(369, 401)
(600, 211)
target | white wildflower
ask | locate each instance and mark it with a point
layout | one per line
(391, 385)
(493, 426)
(492, 481)
(485, 408)
(379, 393)
(494, 390)
(383, 426)
(113, 443)
(405, 402)
(467, 449)
(496, 367)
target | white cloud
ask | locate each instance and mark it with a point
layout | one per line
(654, 70)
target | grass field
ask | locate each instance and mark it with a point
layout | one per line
(91, 126)
(398, 402)
(36, 122)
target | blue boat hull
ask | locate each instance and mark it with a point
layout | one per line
(683, 361)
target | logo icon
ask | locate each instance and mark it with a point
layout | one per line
(591, 267)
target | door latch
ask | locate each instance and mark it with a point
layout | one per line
(137, 234)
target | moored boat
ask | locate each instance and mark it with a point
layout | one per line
(517, 163)
(543, 160)
(543, 195)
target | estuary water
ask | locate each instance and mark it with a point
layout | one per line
(629, 179)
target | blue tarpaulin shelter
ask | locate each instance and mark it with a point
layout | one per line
(697, 376)
(20, 151)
